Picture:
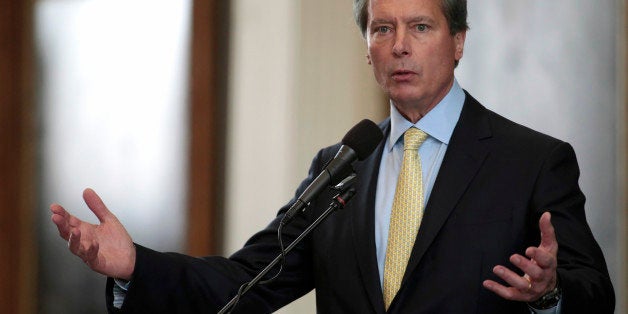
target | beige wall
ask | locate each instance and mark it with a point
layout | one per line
(299, 80)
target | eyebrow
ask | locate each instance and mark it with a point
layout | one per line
(422, 18)
(415, 19)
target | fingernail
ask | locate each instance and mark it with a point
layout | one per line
(499, 271)
(515, 260)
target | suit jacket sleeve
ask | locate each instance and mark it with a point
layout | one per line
(176, 283)
(581, 268)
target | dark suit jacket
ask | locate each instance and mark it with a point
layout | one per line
(496, 180)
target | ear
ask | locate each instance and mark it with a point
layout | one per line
(459, 42)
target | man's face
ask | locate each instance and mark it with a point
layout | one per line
(412, 51)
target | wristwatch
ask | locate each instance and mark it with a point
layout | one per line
(549, 300)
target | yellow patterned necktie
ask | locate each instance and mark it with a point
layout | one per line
(406, 215)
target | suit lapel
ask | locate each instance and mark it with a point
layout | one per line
(463, 159)
(363, 222)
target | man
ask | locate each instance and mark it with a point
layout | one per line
(494, 223)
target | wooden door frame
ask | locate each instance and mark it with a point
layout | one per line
(18, 190)
(208, 93)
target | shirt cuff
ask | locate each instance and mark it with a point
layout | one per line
(119, 292)
(553, 310)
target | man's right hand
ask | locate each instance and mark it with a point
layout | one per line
(106, 248)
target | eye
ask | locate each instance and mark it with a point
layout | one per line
(422, 27)
(382, 29)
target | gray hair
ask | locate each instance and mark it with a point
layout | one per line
(454, 10)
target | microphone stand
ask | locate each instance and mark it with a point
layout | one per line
(339, 202)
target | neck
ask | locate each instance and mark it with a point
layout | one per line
(413, 111)
(412, 114)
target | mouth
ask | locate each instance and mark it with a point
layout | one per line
(402, 75)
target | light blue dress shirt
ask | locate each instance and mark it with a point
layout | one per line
(439, 124)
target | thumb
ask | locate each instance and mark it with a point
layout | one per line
(548, 237)
(97, 206)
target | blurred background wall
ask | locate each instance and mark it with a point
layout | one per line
(174, 109)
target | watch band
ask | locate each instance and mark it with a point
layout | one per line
(549, 300)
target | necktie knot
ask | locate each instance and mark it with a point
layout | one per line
(413, 138)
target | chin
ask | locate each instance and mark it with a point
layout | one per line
(404, 98)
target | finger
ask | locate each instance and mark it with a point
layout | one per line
(59, 210)
(527, 266)
(62, 226)
(74, 242)
(508, 293)
(64, 221)
(541, 257)
(91, 254)
(60, 218)
(95, 203)
(65, 216)
(548, 237)
(74, 222)
(512, 278)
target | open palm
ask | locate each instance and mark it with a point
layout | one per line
(106, 248)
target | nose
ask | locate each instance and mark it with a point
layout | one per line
(401, 47)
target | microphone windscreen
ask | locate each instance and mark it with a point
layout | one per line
(363, 138)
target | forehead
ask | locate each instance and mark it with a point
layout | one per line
(400, 9)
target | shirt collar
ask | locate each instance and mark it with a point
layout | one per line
(438, 123)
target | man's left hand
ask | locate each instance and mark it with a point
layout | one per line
(539, 269)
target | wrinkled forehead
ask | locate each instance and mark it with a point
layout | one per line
(405, 10)
(403, 7)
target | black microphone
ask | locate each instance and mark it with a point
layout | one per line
(358, 143)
